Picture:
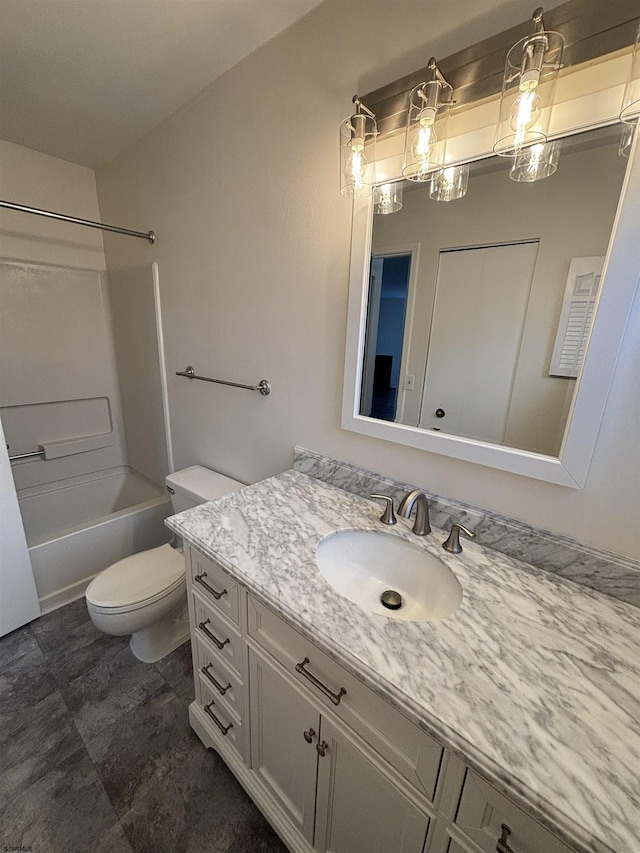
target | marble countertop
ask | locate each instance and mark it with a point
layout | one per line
(534, 680)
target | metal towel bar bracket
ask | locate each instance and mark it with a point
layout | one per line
(264, 386)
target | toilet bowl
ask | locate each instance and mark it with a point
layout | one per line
(145, 594)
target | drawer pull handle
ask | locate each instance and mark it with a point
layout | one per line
(214, 592)
(503, 842)
(223, 729)
(221, 690)
(309, 735)
(335, 697)
(321, 748)
(205, 630)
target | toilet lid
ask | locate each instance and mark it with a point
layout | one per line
(137, 579)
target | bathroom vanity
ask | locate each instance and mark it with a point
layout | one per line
(511, 726)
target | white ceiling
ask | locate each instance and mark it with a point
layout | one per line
(85, 79)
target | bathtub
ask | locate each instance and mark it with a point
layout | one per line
(77, 527)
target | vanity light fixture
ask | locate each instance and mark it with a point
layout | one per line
(529, 81)
(387, 198)
(358, 152)
(427, 117)
(451, 183)
(631, 101)
(536, 162)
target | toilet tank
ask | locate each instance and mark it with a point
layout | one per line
(197, 485)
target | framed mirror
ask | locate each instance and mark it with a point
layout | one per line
(487, 327)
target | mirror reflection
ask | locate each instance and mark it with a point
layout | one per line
(480, 306)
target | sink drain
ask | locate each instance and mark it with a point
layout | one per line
(391, 599)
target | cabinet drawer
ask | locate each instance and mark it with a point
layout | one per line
(413, 753)
(214, 585)
(220, 636)
(482, 811)
(217, 676)
(221, 721)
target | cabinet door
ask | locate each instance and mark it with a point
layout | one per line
(281, 755)
(483, 811)
(359, 808)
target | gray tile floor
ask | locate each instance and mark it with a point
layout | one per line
(96, 751)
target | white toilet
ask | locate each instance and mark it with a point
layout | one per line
(145, 595)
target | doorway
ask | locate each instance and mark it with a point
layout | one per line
(386, 312)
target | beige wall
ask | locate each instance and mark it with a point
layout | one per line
(241, 187)
(37, 180)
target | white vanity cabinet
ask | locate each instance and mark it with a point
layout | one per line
(346, 786)
(333, 766)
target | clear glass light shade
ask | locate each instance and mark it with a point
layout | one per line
(451, 183)
(358, 155)
(626, 139)
(536, 162)
(426, 136)
(387, 198)
(527, 92)
(631, 101)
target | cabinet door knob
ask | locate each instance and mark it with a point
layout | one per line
(309, 735)
(321, 748)
(503, 842)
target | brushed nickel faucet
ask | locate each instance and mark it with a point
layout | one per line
(388, 516)
(421, 525)
(452, 542)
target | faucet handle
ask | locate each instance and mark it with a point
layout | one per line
(388, 516)
(452, 542)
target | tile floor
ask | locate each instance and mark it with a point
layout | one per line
(96, 751)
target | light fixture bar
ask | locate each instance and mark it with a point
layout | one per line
(591, 29)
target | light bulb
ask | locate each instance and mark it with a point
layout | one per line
(387, 198)
(536, 162)
(524, 114)
(450, 184)
(357, 163)
(425, 141)
(535, 157)
(447, 179)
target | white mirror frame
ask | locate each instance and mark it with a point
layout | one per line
(620, 279)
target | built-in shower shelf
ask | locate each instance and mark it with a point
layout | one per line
(70, 446)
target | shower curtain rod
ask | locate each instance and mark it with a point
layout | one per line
(10, 205)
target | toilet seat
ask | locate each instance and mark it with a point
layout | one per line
(137, 581)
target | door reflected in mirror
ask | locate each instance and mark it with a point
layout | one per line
(479, 308)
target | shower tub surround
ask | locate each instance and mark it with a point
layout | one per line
(78, 526)
(544, 706)
(607, 573)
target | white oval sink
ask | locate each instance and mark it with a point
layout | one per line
(363, 564)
